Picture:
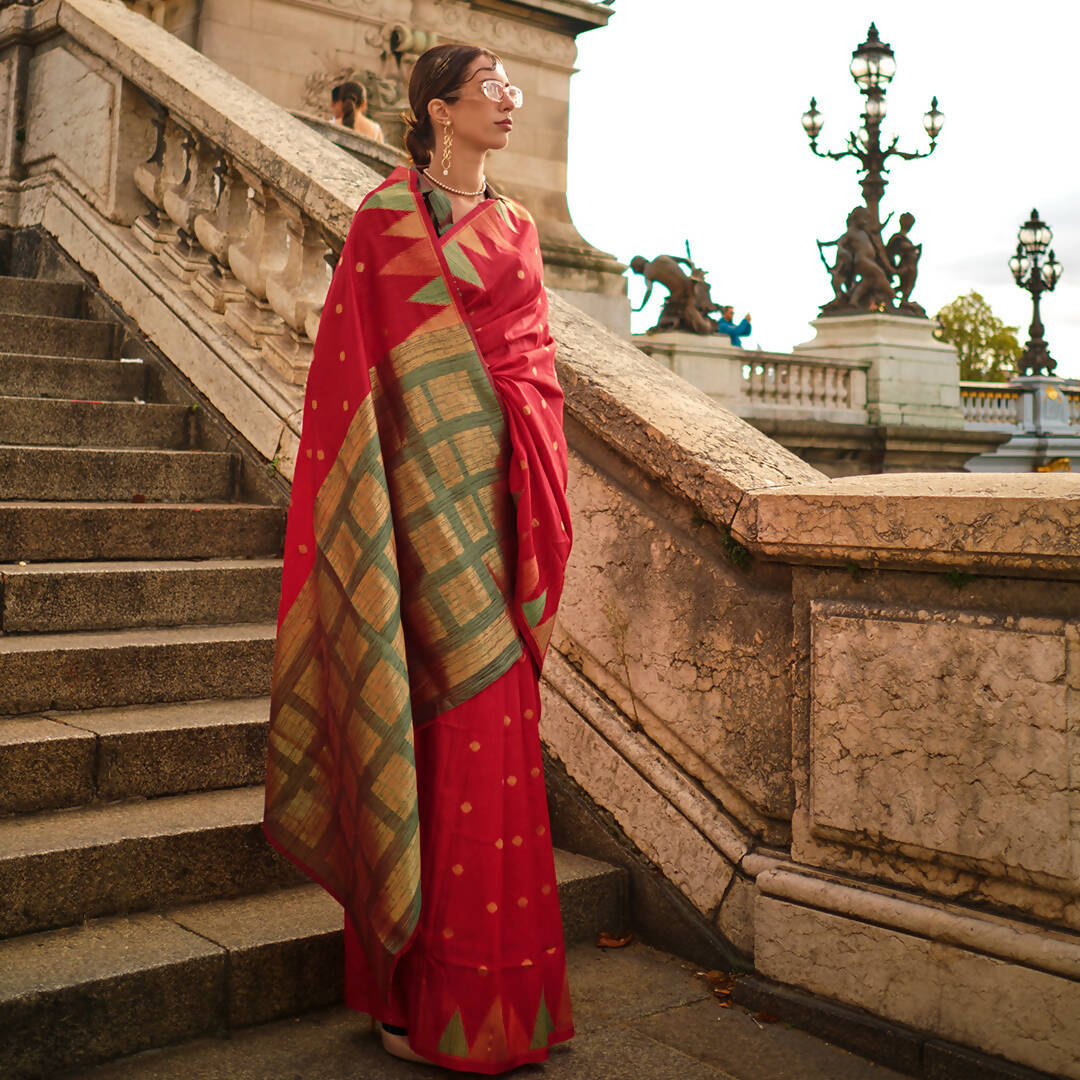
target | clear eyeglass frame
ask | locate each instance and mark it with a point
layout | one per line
(495, 91)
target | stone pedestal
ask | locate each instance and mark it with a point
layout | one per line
(913, 377)
(709, 363)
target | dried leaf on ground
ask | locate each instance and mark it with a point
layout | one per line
(612, 941)
(766, 1017)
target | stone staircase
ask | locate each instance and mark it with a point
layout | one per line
(139, 570)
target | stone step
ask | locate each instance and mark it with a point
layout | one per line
(41, 531)
(55, 597)
(71, 378)
(75, 474)
(48, 335)
(60, 867)
(35, 421)
(63, 759)
(32, 296)
(82, 995)
(133, 667)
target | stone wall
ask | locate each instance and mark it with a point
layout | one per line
(838, 717)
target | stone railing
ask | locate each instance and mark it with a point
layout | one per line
(990, 403)
(760, 384)
(820, 711)
(803, 383)
(1035, 403)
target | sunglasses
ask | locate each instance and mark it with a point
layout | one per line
(496, 91)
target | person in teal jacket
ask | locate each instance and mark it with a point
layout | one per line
(726, 325)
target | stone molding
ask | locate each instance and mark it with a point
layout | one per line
(984, 522)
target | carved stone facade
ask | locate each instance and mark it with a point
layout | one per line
(284, 47)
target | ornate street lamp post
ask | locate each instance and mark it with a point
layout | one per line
(1035, 269)
(862, 274)
(872, 68)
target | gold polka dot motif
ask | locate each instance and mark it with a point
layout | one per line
(527, 410)
(528, 714)
(339, 309)
(458, 869)
(546, 890)
(308, 452)
(341, 355)
(492, 908)
(320, 455)
(517, 841)
(534, 772)
(345, 405)
(314, 403)
(523, 901)
(447, 933)
(359, 267)
(506, 721)
(499, 844)
(540, 830)
(466, 807)
(512, 781)
(302, 549)
(543, 404)
(526, 963)
(521, 275)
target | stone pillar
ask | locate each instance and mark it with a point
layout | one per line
(913, 378)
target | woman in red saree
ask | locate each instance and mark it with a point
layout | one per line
(427, 536)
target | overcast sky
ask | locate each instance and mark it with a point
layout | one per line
(685, 124)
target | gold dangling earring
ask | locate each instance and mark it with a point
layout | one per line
(447, 146)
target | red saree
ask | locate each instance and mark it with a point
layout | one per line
(427, 536)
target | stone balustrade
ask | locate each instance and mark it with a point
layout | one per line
(759, 384)
(990, 403)
(785, 382)
(835, 719)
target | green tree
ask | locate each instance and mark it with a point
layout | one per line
(987, 348)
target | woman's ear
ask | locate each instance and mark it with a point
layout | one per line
(438, 112)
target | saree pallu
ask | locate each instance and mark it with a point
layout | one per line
(424, 555)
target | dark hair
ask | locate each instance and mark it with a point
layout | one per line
(439, 73)
(352, 96)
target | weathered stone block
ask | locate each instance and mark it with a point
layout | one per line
(1021, 1013)
(945, 735)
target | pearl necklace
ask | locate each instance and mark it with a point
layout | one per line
(454, 190)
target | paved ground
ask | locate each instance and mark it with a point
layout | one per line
(640, 1015)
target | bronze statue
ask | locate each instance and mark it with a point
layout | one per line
(862, 271)
(688, 303)
(904, 257)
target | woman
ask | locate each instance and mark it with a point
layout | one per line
(424, 559)
(348, 106)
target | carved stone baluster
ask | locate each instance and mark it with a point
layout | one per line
(151, 176)
(260, 254)
(217, 230)
(297, 293)
(195, 194)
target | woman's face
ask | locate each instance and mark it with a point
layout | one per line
(476, 118)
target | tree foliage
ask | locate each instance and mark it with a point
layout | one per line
(987, 348)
